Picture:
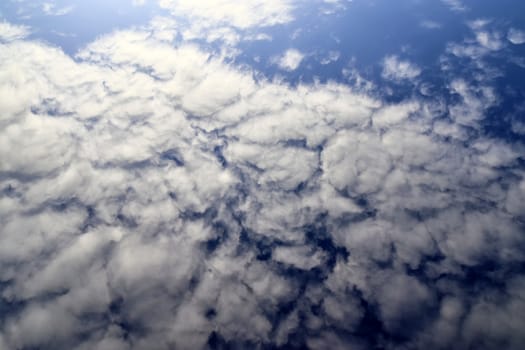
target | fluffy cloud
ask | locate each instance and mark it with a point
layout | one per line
(290, 60)
(331, 57)
(242, 15)
(228, 21)
(10, 32)
(159, 197)
(484, 41)
(397, 69)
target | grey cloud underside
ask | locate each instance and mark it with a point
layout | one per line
(155, 197)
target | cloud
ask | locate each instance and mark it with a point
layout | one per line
(478, 24)
(483, 42)
(51, 9)
(290, 60)
(251, 13)
(397, 69)
(488, 40)
(332, 56)
(516, 36)
(10, 32)
(157, 196)
(455, 5)
(472, 102)
(300, 257)
(226, 22)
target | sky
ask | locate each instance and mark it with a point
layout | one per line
(264, 174)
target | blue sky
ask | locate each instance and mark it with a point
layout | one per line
(273, 174)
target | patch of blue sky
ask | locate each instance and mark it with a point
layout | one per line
(71, 25)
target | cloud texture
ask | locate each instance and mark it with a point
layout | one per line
(158, 197)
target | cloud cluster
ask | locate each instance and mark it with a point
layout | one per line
(228, 21)
(157, 197)
(484, 41)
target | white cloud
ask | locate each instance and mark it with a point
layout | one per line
(455, 5)
(152, 196)
(393, 115)
(473, 102)
(226, 21)
(516, 36)
(243, 15)
(300, 257)
(397, 69)
(361, 171)
(290, 60)
(491, 41)
(478, 24)
(332, 56)
(51, 9)
(484, 42)
(10, 32)
(259, 37)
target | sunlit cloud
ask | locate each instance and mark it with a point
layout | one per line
(10, 32)
(290, 60)
(156, 193)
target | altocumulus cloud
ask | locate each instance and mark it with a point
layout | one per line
(228, 20)
(158, 197)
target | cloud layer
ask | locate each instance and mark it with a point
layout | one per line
(157, 197)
